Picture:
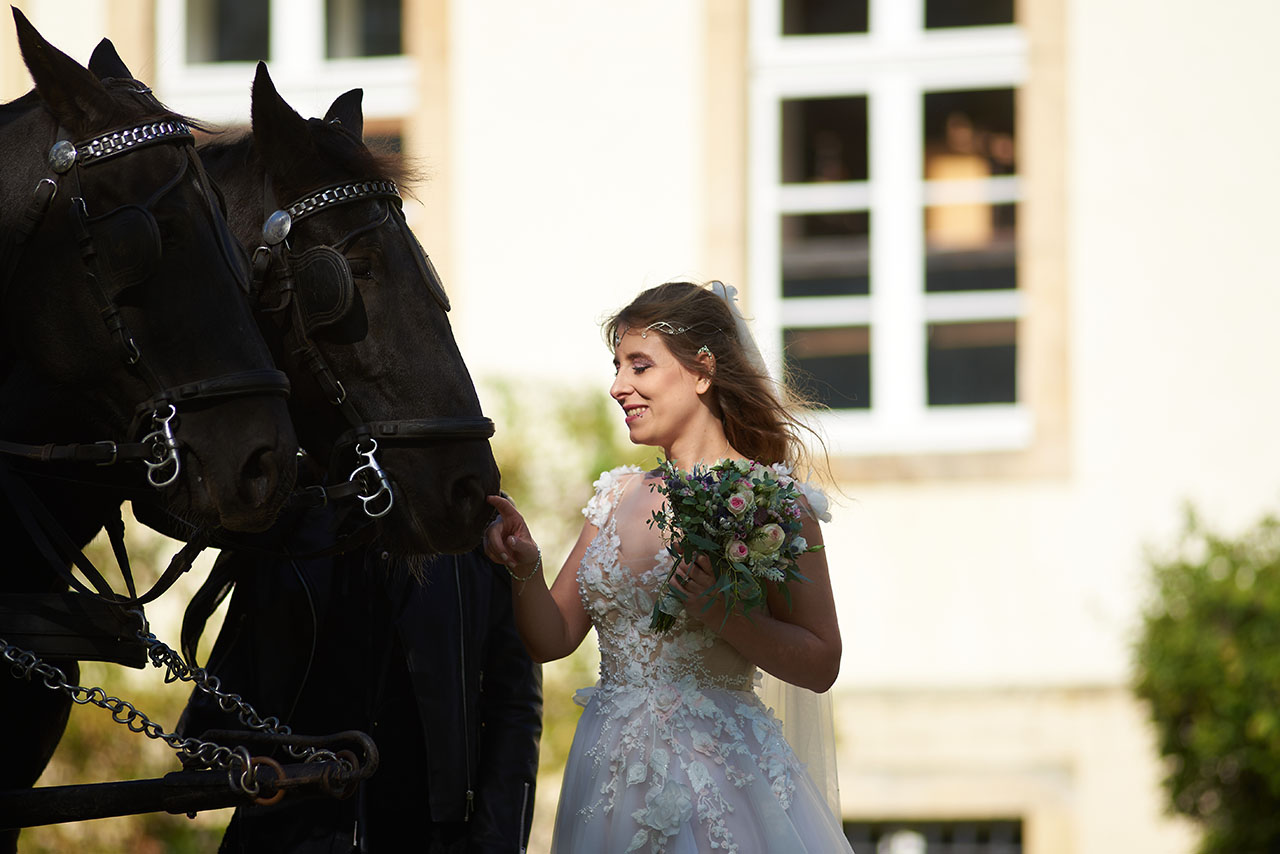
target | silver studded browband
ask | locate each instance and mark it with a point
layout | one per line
(120, 141)
(339, 194)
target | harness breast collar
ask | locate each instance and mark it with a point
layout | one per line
(276, 259)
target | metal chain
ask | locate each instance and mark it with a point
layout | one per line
(24, 664)
(176, 669)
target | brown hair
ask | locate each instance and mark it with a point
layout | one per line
(757, 413)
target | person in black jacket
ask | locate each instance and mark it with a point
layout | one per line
(424, 658)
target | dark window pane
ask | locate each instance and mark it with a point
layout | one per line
(969, 134)
(832, 367)
(363, 28)
(940, 837)
(227, 30)
(819, 17)
(970, 248)
(972, 363)
(824, 139)
(826, 255)
(967, 13)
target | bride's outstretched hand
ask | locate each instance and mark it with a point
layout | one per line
(507, 539)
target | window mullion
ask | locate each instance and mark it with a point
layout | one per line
(897, 235)
(297, 40)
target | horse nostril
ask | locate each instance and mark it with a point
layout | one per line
(469, 497)
(258, 477)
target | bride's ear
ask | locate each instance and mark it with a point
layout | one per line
(707, 365)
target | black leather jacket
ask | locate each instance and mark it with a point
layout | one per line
(479, 696)
(428, 663)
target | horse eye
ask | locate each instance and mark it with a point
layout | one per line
(361, 268)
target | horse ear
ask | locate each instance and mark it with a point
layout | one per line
(277, 127)
(346, 111)
(70, 91)
(106, 62)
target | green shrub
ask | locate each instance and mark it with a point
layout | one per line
(1208, 666)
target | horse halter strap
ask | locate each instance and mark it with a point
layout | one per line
(158, 449)
(368, 481)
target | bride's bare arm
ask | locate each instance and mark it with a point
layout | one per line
(799, 644)
(552, 622)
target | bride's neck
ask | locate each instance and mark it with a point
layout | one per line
(704, 448)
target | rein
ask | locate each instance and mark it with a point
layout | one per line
(275, 258)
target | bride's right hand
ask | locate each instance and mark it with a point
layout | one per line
(507, 539)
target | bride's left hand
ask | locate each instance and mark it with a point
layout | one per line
(694, 581)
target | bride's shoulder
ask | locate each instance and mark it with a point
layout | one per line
(607, 488)
(615, 477)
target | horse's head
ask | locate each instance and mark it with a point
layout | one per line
(360, 319)
(124, 293)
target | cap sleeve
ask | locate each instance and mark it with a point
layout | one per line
(607, 489)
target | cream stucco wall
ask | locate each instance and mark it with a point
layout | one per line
(577, 137)
(986, 616)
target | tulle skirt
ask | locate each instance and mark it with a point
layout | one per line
(679, 771)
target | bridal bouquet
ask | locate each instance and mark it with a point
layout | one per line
(744, 516)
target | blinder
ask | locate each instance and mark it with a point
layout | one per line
(330, 301)
(127, 244)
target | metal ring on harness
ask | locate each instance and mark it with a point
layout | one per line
(165, 449)
(362, 472)
(280, 775)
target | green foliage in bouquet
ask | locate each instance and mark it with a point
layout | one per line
(1208, 666)
(745, 517)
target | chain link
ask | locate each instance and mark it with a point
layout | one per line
(25, 664)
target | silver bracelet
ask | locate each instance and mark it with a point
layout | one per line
(537, 566)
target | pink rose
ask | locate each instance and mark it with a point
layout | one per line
(740, 502)
(736, 551)
(768, 539)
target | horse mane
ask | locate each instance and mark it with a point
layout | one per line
(339, 150)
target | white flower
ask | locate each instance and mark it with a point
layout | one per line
(636, 773)
(703, 743)
(665, 700)
(817, 501)
(699, 777)
(668, 809)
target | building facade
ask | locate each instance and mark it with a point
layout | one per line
(1020, 250)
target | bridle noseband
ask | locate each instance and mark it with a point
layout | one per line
(292, 272)
(108, 276)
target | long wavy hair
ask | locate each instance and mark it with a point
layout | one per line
(759, 415)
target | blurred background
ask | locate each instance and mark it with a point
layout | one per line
(1022, 251)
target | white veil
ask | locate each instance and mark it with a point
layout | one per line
(808, 720)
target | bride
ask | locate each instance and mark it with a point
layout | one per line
(674, 752)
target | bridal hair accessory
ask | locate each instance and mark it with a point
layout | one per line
(729, 294)
(661, 326)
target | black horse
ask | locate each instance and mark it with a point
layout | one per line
(127, 339)
(344, 641)
(357, 317)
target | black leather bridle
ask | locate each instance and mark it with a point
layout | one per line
(107, 277)
(282, 274)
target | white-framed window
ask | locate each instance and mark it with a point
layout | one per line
(883, 211)
(207, 50)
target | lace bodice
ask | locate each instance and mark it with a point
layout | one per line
(619, 579)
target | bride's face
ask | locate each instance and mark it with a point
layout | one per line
(660, 398)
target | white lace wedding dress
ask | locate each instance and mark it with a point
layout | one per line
(674, 752)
